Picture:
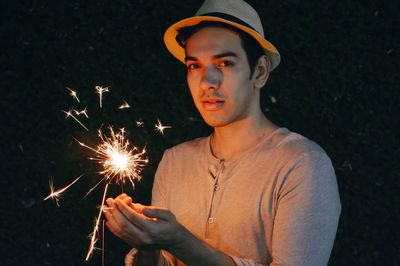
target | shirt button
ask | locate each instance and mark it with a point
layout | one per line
(210, 220)
(216, 187)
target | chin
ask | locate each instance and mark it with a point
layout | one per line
(216, 118)
(215, 122)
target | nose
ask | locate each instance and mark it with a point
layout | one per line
(211, 79)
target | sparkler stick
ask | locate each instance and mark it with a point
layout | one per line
(102, 245)
(56, 194)
(160, 127)
(73, 94)
(100, 90)
(69, 113)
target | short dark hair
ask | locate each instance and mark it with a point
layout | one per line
(251, 47)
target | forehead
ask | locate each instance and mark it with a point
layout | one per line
(214, 40)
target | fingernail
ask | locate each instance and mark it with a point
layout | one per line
(109, 202)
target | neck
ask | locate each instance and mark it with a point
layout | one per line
(231, 140)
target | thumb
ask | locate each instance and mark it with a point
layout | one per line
(159, 213)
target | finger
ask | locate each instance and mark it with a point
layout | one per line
(158, 213)
(113, 228)
(137, 207)
(111, 223)
(128, 200)
(110, 202)
(108, 212)
(121, 196)
(125, 197)
(122, 227)
(138, 219)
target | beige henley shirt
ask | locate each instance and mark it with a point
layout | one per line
(275, 204)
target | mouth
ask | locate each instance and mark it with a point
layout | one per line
(212, 104)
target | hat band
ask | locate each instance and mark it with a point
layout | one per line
(230, 18)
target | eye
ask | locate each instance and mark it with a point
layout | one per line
(193, 66)
(226, 63)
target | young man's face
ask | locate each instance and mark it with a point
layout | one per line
(219, 77)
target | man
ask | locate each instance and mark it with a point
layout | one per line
(251, 193)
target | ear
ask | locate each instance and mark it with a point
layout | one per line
(261, 72)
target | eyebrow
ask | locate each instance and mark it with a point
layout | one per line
(217, 56)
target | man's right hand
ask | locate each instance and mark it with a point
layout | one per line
(141, 226)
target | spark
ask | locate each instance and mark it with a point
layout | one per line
(125, 105)
(73, 94)
(100, 90)
(69, 113)
(139, 123)
(56, 194)
(160, 127)
(81, 112)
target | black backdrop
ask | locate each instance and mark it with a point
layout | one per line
(337, 84)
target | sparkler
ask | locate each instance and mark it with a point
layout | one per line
(120, 161)
(100, 90)
(160, 127)
(73, 94)
(125, 105)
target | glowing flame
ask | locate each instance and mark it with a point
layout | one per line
(120, 160)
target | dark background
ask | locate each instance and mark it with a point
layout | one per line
(337, 84)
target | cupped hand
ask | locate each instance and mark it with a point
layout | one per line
(141, 226)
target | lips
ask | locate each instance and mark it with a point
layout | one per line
(212, 104)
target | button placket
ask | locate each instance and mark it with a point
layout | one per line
(210, 218)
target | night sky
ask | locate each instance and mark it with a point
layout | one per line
(337, 84)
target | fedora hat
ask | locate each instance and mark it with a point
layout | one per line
(233, 12)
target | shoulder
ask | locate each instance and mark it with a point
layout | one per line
(183, 158)
(304, 165)
(192, 147)
(293, 146)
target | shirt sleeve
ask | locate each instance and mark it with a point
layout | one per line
(308, 210)
(158, 195)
